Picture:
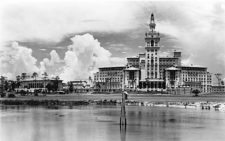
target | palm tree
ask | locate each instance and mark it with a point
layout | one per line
(6, 85)
(196, 92)
(57, 82)
(70, 84)
(35, 75)
(18, 78)
(23, 76)
(45, 77)
(57, 78)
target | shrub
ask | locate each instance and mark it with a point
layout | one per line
(196, 92)
(11, 96)
(3, 95)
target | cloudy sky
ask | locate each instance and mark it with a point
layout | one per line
(73, 38)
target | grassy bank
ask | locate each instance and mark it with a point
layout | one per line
(37, 102)
(76, 98)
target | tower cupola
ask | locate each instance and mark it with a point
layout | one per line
(152, 23)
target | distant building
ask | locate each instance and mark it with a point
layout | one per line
(192, 77)
(218, 89)
(32, 84)
(80, 86)
(166, 62)
(149, 72)
(109, 79)
(150, 79)
(133, 61)
(131, 78)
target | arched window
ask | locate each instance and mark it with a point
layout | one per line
(152, 43)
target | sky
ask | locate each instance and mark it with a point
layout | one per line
(72, 39)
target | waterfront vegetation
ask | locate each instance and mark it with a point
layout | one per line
(56, 100)
(196, 92)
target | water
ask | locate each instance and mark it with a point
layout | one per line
(101, 123)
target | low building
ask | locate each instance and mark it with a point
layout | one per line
(218, 89)
(80, 86)
(31, 84)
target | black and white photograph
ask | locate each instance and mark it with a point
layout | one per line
(112, 70)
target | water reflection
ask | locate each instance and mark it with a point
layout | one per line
(123, 133)
(102, 124)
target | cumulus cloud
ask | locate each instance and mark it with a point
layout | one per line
(198, 29)
(44, 21)
(16, 59)
(50, 64)
(84, 56)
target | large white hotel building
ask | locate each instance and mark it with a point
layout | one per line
(149, 72)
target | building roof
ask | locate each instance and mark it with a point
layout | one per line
(193, 66)
(172, 68)
(134, 57)
(113, 68)
(132, 68)
(38, 79)
(168, 58)
(79, 81)
(141, 55)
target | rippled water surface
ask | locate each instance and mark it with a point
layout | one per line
(101, 123)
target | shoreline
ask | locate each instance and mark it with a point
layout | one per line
(136, 97)
(56, 104)
(176, 101)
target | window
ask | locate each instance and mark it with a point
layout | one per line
(152, 43)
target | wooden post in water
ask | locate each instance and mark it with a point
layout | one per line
(122, 133)
(123, 120)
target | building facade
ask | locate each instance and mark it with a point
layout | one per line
(131, 78)
(149, 72)
(109, 79)
(31, 85)
(151, 80)
(133, 62)
(167, 62)
(79, 86)
(218, 89)
(193, 77)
